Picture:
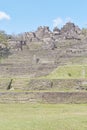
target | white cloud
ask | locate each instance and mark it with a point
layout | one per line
(59, 22)
(68, 19)
(4, 15)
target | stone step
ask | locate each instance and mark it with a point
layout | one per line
(43, 97)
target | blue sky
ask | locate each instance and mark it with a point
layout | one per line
(17, 16)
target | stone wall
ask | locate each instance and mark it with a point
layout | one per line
(45, 84)
(57, 84)
(43, 97)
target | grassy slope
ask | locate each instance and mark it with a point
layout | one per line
(43, 117)
(69, 72)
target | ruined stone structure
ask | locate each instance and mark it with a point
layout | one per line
(37, 54)
(50, 49)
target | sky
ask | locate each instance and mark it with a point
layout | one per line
(18, 16)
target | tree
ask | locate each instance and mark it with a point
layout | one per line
(4, 50)
(84, 31)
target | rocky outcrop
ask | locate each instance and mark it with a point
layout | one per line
(49, 43)
(46, 36)
(70, 31)
(43, 32)
(56, 31)
(31, 37)
(47, 39)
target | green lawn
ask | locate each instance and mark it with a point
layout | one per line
(43, 116)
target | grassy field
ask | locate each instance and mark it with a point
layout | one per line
(43, 116)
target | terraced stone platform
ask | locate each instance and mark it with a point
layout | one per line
(43, 97)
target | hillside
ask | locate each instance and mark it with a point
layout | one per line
(45, 55)
(38, 53)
